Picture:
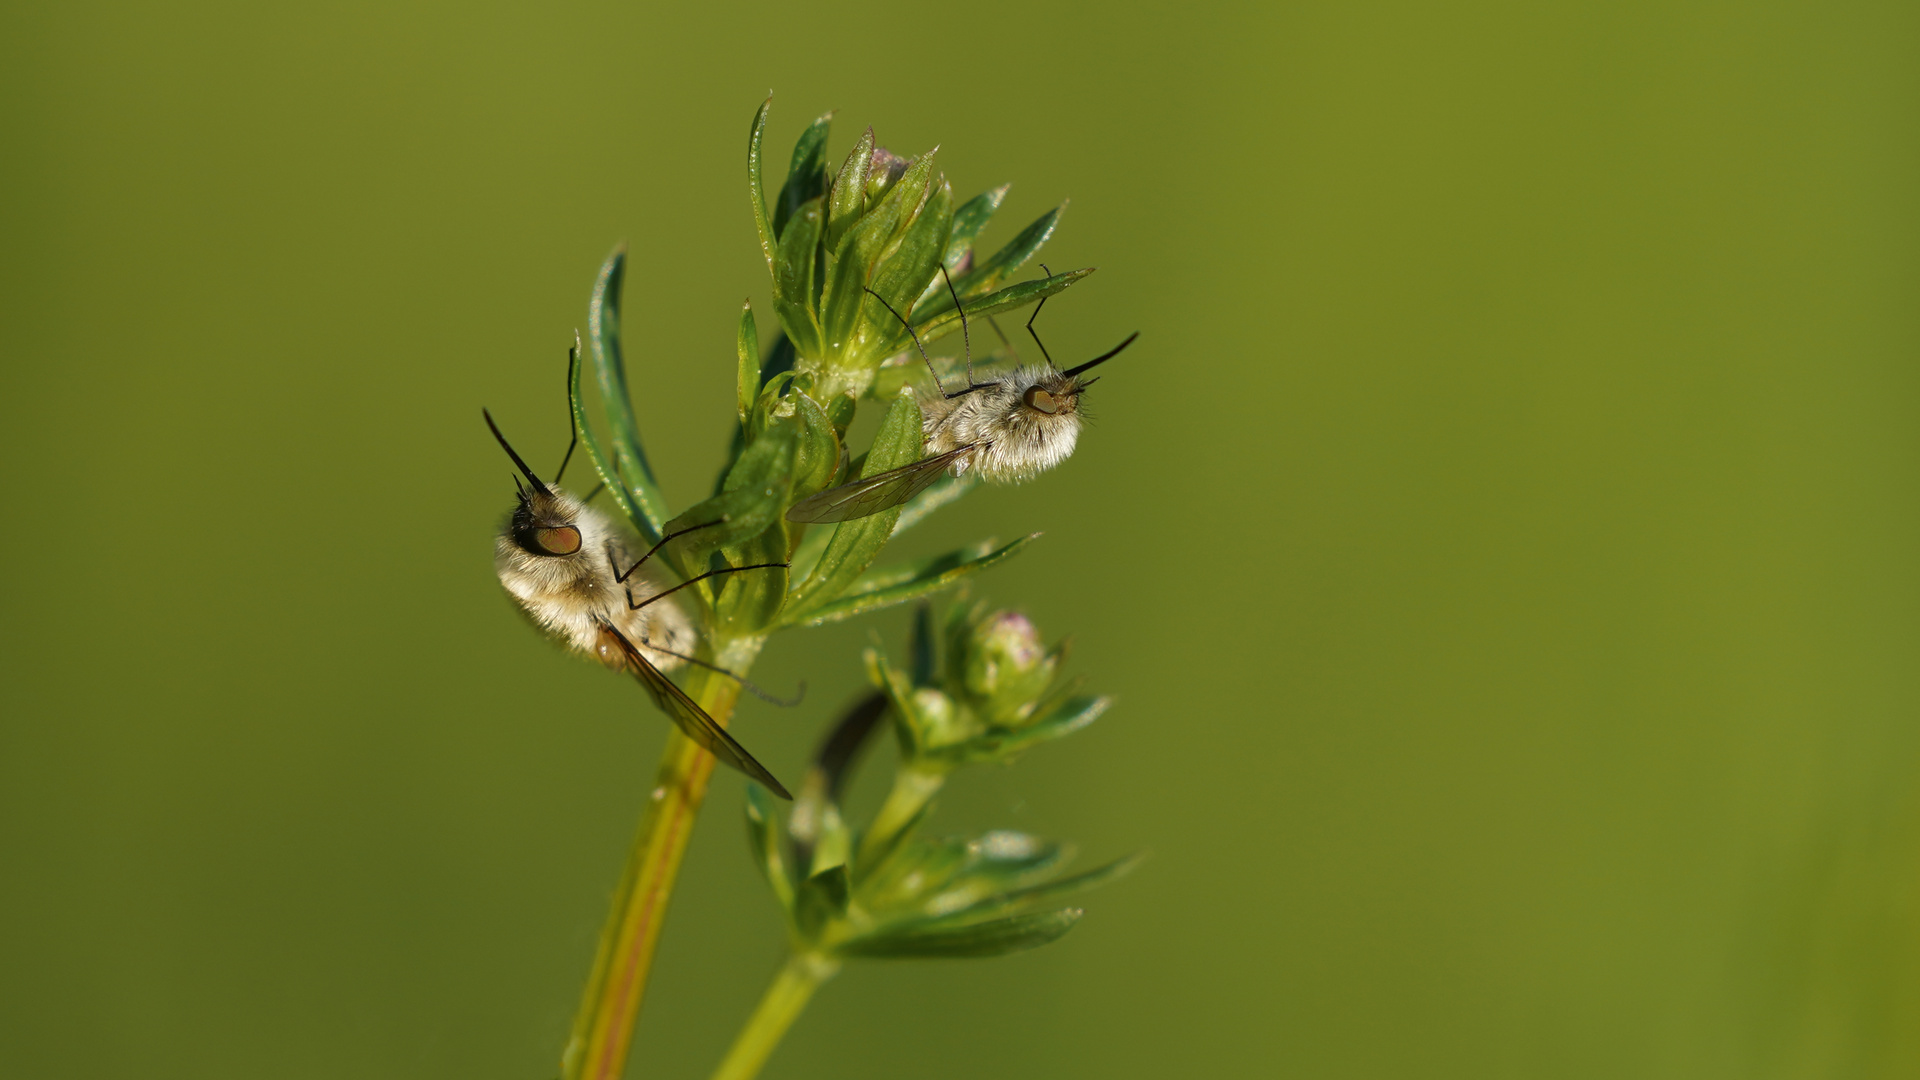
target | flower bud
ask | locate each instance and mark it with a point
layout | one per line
(885, 170)
(1004, 668)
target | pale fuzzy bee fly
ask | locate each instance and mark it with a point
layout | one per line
(572, 571)
(1006, 430)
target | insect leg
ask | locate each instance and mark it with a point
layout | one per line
(636, 605)
(573, 427)
(916, 341)
(966, 339)
(745, 683)
(1036, 333)
(620, 577)
(1002, 335)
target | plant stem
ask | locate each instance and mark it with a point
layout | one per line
(799, 977)
(603, 1028)
(912, 789)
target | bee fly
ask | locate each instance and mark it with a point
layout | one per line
(1008, 429)
(572, 571)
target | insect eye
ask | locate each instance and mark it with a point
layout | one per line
(564, 540)
(1039, 399)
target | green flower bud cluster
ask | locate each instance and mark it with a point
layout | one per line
(887, 891)
(855, 252)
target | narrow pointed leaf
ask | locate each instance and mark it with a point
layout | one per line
(884, 587)
(603, 331)
(1075, 714)
(899, 690)
(763, 838)
(747, 377)
(972, 217)
(999, 266)
(923, 646)
(749, 602)
(847, 198)
(818, 461)
(913, 261)
(996, 937)
(806, 173)
(598, 452)
(856, 543)
(796, 278)
(761, 224)
(820, 900)
(1013, 296)
(859, 253)
(754, 494)
(1017, 901)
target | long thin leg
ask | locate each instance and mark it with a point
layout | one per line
(966, 339)
(620, 577)
(937, 384)
(1002, 335)
(745, 683)
(636, 605)
(1036, 333)
(573, 427)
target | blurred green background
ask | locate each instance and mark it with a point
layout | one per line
(1502, 539)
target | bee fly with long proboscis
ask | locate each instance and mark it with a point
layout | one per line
(1006, 430)
(572, 572)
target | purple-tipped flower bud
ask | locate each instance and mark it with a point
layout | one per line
(1005, 668)
(886, 169)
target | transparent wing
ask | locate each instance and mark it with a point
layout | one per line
(691, 718)
(875, 493)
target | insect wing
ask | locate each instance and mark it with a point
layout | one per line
(875, 493)
(692, 719)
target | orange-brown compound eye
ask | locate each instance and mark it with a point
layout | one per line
(1039, 399)
(564, 540)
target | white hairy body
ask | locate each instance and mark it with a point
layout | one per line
(575, 596)
(1013, 441)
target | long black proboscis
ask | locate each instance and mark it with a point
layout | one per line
(1103, 357)
(508, 447)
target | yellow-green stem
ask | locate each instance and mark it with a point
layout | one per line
(799, 977)
(912, 789)
(603, 1028)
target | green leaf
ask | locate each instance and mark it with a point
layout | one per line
(749, 602)
(818, 462)
(821, 900)
(923, 646)
(910, 727)
(747, 377)
(995, 937)
(972, 217)
(1001, 744)
(887, 586)
(912, 264)
(1001, 264)
(847, 198)
(859, 254)
(764, 839)
(856, 543)
(797, 280)
(760, 223)
(754, 493)
(1016, 901)
(1013, 296)
(603, 330)
(878, 859)
(806, 172)
(597, 451)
